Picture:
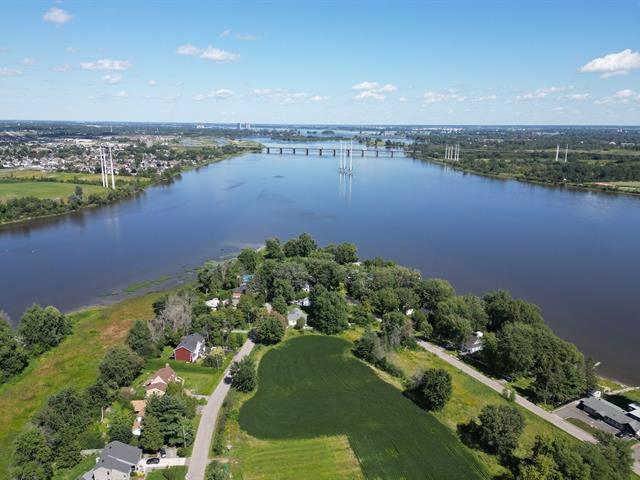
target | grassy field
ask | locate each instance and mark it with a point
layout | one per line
(85, 465)
(72, 363)
(62, 176)
(173, 473)
(469, 396)
(312, 388)
(44, 190)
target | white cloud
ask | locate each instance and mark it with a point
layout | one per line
(107, 64)
(578, 96)
(365, 86)
(539, 93)
(122, 94)
(449, 95)
(57, 15)
(369, 94)
(621, 96)
(262, 91)
(220, 93)
(402, 99)
(62, 68)
(218, 56)
(619, 63)
(152, 83)
(28, 62)
(484, 98)
(9, 72)
(226, 33)
(188, 49)
(373, 90)
(71, 49)
(112, 78)
(318, 98)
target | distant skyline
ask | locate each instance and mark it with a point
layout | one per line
(353, 62)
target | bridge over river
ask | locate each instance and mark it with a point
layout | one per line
(333, 151)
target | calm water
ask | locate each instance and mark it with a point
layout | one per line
(575, 254)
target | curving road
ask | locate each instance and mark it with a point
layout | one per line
(202, 444)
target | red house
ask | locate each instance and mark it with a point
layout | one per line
(190, 349)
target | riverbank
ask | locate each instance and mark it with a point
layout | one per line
(126, 190)
(613, 187)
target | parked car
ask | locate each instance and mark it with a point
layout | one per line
(153, 461)
(163, 452)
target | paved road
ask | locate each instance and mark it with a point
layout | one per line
(498, 387)
(202, 444)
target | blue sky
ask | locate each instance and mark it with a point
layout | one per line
(286, 61)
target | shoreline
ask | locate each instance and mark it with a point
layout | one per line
(26, 220)
(580, 187)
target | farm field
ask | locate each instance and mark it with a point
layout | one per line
(41, 190)
(312, 387)
(63, 176)
(72, 363)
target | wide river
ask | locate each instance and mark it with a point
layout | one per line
(575, 254)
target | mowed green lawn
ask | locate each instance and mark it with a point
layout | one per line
(312, 387)
(44, 190)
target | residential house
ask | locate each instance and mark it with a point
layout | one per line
(118, 461)
(473, 344)
(292, 317)
(190, 349)
(213, 304)
(138, 409)
(611, 414)
(246, 279)
(158, 382)
(236, 293)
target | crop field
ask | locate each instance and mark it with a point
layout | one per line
(63, 176)
(44, 190)
(312, 387)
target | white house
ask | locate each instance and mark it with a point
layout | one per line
(292, 318)
(473, 344)
(213, 304)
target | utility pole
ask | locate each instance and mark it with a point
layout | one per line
(566, 152)
(102, 168)
(557, 152)
(113, 181)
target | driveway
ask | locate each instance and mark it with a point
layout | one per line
(498, 387)
(571, 410)
(202, 444)
(164, 463)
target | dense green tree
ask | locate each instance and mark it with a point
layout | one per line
(32, 458)
(500, 429)
(325, 273)
(119, 431)
(67, 409)
(386, 300)
(140, 341)
(397, 330)
(13, 358)
(120, 366)
(243, 374)
(249, 259)
(303, 246)
(501, 309)
(282, 288)
(369, 347)
(328, 311)
(273, 249)
(516, 349)
(361, 316)
(151, 439)
(270, 329)
(434, 291)
(170, 410)
(42, 328)
(451, 327)
(433, 388)
(280, 305)
(67, 448)
(344, 253)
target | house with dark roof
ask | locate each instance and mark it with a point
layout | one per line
(472, 344)
(611, 414)
(118, 461)
(190, 348)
